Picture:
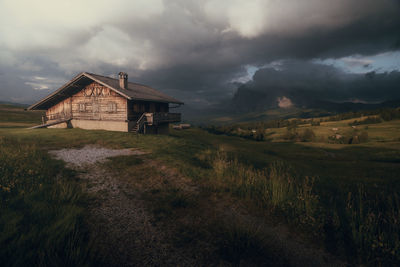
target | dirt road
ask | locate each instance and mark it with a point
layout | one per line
(150, 215)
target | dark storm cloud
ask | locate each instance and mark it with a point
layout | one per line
(191, 49)
(306, 84)
(199, 59)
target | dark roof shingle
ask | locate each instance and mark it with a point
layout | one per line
(134, 91)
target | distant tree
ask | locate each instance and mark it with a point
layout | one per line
(307, 135)
(291, 134)
(315, 123)
(363, 137)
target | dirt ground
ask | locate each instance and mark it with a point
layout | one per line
(133, 223)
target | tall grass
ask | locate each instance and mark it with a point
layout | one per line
(274, 188)
(41, 210)
(361, 225)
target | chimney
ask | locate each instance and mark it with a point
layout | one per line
(123, 80)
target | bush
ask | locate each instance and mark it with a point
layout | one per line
(358, 138)
(315, 123)
(291, 134)
(368, 120)
(363, 137)
(307, 135)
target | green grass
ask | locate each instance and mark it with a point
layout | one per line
(16, 116)
(346, 195)
(41, 209)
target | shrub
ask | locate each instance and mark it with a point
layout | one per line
(315, 123)
(368, 120)
(363, 137)
(358, 137)
(307, 135)
(291, 134)
(258, 135)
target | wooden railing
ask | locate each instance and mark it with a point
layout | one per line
(157, 117)
(140, 123)
(161, 117)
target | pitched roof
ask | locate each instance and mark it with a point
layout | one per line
(134, 91)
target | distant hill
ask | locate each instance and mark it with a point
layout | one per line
(315, 109)
(350, 106)
(13, 104)
(13, 115)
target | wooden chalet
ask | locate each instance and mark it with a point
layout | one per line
(91, 101)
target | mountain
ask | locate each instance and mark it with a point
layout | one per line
(13, 104)
(260, 109)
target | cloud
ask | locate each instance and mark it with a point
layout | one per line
(357, 62)
(191, 49)
(304, 83)
(291, 17)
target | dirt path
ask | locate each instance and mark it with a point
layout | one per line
(131, 222)
(120, 223)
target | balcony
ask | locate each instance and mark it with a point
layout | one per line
(162, 117)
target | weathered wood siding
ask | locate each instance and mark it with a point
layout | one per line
(94, 102)
(60, 109)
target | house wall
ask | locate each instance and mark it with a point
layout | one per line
(94, 107)
(119, 126)
(61, 109)
(97, 102)
(94, 102)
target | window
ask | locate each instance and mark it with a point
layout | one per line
(112, 107)
(82, 107)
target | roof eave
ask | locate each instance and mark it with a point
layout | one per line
(80, 75)
(34, 106)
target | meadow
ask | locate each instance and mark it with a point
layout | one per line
(340, 197)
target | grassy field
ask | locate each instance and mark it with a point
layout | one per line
(16, 116)
(384, 133)
(341, 197)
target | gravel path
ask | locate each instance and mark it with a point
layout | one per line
(122, 225)
(119, 221)
(91, 154)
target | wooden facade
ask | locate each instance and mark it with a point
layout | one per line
(96, 105)
(93, 102)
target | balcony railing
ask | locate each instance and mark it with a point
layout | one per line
(157, 117)
(160, 117)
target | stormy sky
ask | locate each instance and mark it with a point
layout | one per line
(202, 51)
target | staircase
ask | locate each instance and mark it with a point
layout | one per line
(139, 124)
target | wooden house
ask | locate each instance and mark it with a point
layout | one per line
(92, 101)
